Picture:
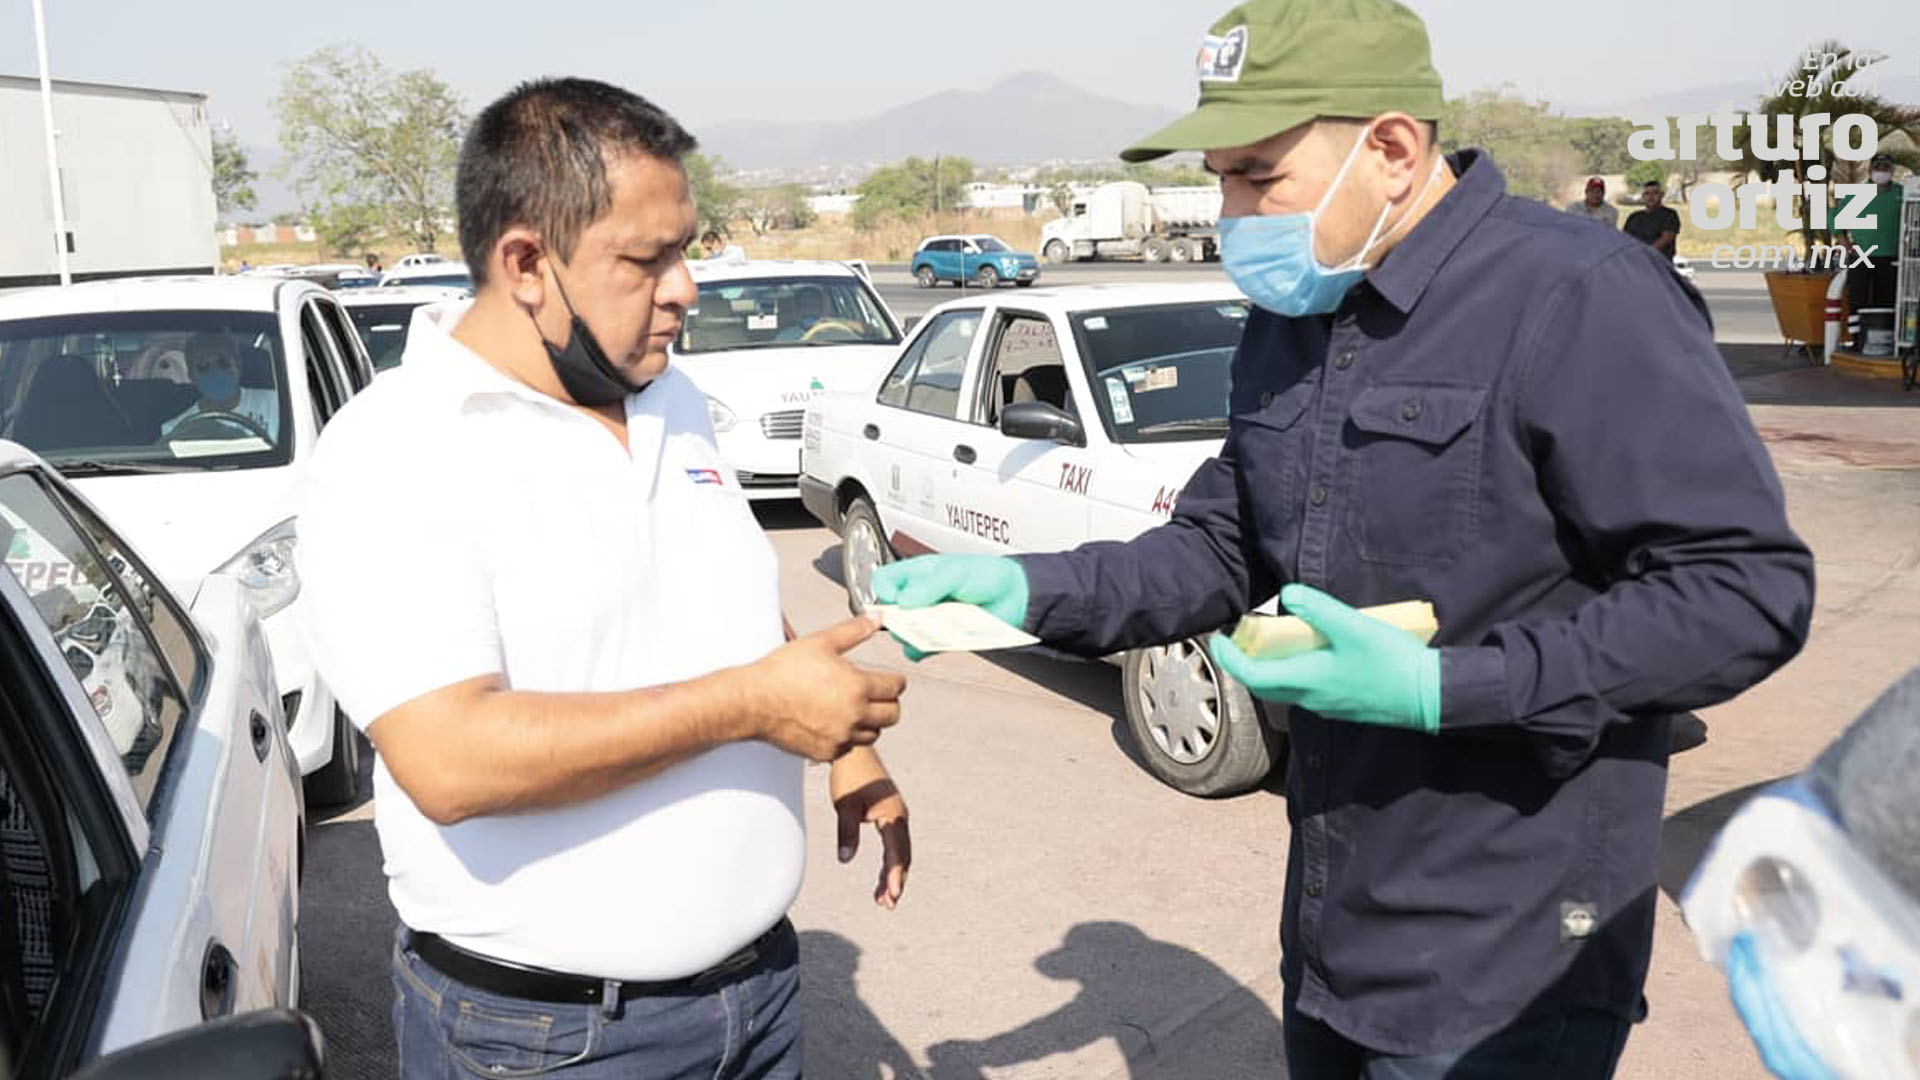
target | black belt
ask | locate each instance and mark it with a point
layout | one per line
(539, 984)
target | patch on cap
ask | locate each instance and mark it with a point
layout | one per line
(1223, 55)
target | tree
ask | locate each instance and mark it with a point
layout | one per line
(347, 229)
(233, 177)
(1534, 147)
(1602, 143)
(717, 201)
(371, 147)
(1644, 173)
(911, 189)
(783, 206)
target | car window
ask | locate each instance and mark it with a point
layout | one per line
(757, 313)
(323, 366)
(1025, 365)
(945, 333)
(991, 243)
(935, 386)
(383, 329)
(173, 390)
(115, 632)
(1161, 372)
(353, 356)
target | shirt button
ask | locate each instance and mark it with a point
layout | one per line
(1344, 360)
(1314, 888)
(1266, 398)
(1411, 410)
(1318, 495)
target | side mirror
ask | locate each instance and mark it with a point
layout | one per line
(269, 1044)
(1039, 420)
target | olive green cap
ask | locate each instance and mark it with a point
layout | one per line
(1269, 65)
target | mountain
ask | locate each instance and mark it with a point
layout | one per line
(1029, 117)
(1700, 99)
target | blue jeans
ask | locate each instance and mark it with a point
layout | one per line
(745, 1026)
(1583, 1044)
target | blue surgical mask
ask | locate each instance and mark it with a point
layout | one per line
(1270, 257)
(218, 384)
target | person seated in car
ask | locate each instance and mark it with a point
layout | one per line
(809, 307)
(214, 364)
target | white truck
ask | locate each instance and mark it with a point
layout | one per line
(1129, 220)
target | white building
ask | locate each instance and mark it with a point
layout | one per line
(136, 168)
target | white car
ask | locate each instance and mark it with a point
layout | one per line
(1684, 267)
(1038, 422)
(383, 316)
(421, 258)
(445, 272)
(763, 339)
(107, 382)
(150, 814)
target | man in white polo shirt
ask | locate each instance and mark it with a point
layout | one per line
(532, 579)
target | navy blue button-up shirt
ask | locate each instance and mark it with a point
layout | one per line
(1522, 418)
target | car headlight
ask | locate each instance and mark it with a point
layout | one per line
(722, 417)
(265, 568)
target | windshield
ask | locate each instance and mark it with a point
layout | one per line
(784, 313)
(1161, 373)
(456, 280)
(991, 243)
(383, 329)
(146, 390)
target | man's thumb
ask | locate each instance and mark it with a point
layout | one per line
(844, 635)
(849, 834)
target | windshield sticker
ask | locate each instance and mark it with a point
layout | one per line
(763, 322)
(1121, 402)
(1095, 322)
(1165, 377)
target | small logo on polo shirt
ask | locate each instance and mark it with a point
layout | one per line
(706, 476)
(1223, 55)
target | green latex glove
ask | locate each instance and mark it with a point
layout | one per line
(991, 582)
(1370, 673)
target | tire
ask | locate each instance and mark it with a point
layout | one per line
(338, 781)
(923, 277)
(986, 278)
(1180, 251)
(863, 549)
(1056, 252)
(1197, 730)
(1154, 249)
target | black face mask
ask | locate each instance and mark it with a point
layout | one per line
(582, 365)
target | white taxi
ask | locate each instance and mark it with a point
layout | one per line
(766, 337)
(1038, 422)
(186, 408)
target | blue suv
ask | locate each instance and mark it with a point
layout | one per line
(986, 261)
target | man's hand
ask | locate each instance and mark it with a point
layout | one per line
(863, 792)
(993, 583)
(1369, 673)
(808, 699)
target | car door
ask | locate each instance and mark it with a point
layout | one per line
(968, 263)
(1038, 486)
(352, 352)
(327, 382)
(949, 262)
(190, 746)
(910, 463)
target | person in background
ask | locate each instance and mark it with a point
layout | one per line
(373, 265)
(1594, 206)
(1654, 223)
(1872, 285)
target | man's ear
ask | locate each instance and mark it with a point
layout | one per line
(516, 265)
(1403, 142)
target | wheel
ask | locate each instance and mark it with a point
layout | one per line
(338, 781)
(863, 549)
(923, 277)
(1199, 731)
(1056, 251)
(1180, 251)
(987, 278)
(1154, 249)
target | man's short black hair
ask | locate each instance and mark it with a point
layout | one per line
(1653, 183)
(537, 157)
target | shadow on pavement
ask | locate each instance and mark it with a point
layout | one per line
(1686, 833)
(1769, 375)
(783, 514)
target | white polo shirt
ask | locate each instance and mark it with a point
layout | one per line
(456, 524)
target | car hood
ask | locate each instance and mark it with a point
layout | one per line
(755, 381)
(185, 525)
(1177, 459)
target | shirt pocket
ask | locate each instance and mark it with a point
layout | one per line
(1417, 452)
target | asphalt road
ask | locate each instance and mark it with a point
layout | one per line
(1737, 298)
(1070, 917)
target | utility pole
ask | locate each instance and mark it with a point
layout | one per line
(53, 159)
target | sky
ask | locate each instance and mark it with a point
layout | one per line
(709, 61)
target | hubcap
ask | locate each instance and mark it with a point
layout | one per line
(1180, 699)
(861, 555)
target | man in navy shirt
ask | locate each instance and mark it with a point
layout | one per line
(1452, 394)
